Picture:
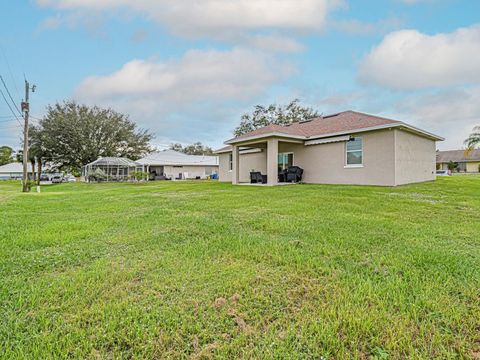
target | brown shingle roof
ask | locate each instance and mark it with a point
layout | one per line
(344, 121)
(331, 124)
(457, 156)
(288, 130)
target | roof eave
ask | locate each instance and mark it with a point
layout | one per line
(423, 132)
(222, 151)
(262, 136)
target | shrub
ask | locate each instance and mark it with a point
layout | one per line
(452, 166)
(97, 175)
(139, 175)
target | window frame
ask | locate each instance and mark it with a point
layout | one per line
(230, 162)
(347, 165)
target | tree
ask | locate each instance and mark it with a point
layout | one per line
(176, 147)
(37, 150)
(72, 135)
(195, 149)
(274, 114)
(474, 139)
(452, 166)
(31, 159)
(6, 155)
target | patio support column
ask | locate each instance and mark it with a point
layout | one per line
(272, 160)
(235, 164)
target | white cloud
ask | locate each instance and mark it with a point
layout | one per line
(52, 22)
(92, 23)
(408, 59)
(172, 96)
(139, 36)
(357, 27)
(273, 43)
(214, 17)
(449, 113)
(198, 75)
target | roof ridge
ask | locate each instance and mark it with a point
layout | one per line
(376, 116)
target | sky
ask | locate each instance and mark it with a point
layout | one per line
(188, 69)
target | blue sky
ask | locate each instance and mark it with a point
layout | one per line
(187, 70)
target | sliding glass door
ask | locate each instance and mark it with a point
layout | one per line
(284, 161)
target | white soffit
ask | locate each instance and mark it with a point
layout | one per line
(328, 140)
(250, 151)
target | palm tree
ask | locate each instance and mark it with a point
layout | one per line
(473, 140)
(37, 151)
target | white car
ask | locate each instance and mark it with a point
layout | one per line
(69, 178)
(444, 173)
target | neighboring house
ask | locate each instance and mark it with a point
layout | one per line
(170, 164)
(14, 171)
(466, 162)
(344, 148)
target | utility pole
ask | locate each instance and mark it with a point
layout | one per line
(26, 111)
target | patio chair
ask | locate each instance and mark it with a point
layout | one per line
(256, 177)
(294, 174)
(282, 176)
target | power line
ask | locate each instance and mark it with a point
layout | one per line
(11, 98)
(10, 71)
(6, 102)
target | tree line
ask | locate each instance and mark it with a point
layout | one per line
(71, 135)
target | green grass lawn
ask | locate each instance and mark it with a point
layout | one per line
(204, 269)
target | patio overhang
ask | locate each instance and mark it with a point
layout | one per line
(269, 145)
(257, 138)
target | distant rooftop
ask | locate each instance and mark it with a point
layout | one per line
(176, 158)
(15, 167)
(114, 161)
(458, 156)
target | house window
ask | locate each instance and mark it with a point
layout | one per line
(285, 160)
(230, 162)
(354, 152)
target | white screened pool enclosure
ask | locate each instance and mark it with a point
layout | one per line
(112, 169)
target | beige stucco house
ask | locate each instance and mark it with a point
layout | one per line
(170, 164)
(343, 148)
(466, 161)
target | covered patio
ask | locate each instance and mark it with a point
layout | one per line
(274, 160)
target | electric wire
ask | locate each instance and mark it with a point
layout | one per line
(10, 71)
(10, 95)
(8, 104)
